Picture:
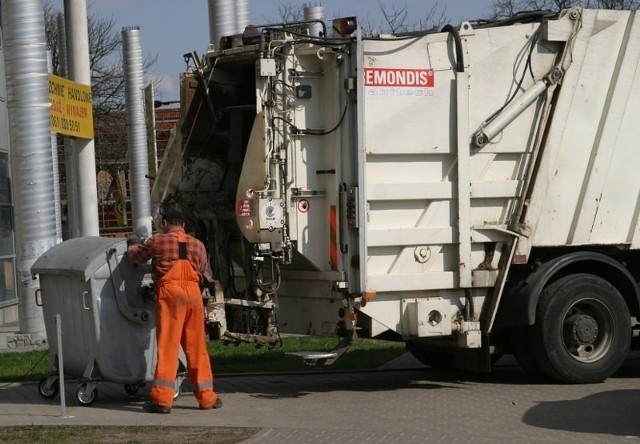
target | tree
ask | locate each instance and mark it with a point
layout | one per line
(107, 84)
(108, 92)
(290, 13)
(395, 19)
(508, 8)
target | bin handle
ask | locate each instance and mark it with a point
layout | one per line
(38, 295)
(84, 300)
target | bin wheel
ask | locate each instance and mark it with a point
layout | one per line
(178, 387)
(132, 389)
(48, 391)
(86, 397)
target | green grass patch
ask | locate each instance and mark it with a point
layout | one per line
(124, 434)
(243, 358)
(23, 366)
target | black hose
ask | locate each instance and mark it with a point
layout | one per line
(456, 38)
(520, 17)
(469, 309)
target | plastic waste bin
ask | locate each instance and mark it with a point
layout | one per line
(107, 320)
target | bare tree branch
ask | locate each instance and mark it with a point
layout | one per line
(107, 83)
(290, 13)
(508, 8)
(395, 18)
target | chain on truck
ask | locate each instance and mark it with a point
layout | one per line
(472, 191)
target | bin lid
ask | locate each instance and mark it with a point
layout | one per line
(81, 256)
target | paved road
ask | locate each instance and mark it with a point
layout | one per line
(406, 405)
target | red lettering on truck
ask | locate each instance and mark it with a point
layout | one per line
(396, 77)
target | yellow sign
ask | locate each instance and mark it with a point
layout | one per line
(71, 107)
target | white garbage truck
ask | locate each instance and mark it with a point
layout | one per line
(473, 191)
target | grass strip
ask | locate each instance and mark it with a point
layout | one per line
(364, 354)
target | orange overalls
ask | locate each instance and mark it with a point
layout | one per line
(180, 321)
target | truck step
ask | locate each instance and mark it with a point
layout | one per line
(315, 358)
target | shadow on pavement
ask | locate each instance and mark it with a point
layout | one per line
(613, 412)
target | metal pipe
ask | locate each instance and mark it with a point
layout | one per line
(486, 134)
(136, 131)
(84, 149)
(63, 401)
(25, 55)
(222, 20)
(314, 13)
(56, 172)
(62, 45)
(72, 226)
(242, 15)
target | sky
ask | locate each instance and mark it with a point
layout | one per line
(171, 28)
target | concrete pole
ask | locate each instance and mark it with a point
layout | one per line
(85, 159)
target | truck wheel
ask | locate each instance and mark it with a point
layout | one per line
(582, 331)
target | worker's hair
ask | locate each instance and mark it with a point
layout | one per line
(173, 216)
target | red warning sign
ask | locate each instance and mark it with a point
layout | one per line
(397, 77)
(243, 208)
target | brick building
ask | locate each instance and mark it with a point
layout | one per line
(112, 165)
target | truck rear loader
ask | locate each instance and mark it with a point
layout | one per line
(472, 191)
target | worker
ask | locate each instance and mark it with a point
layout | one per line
(177, 263)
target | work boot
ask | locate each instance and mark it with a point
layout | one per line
(155, 408)
(216, 405)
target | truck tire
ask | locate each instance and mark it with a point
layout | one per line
(583, 330)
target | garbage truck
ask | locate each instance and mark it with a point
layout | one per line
(472, 190)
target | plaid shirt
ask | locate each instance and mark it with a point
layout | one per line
(162, 249)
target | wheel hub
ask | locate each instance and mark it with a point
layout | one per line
(584, 329)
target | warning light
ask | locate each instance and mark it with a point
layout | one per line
(251, 35)
(226, 42)
(368, 295)
(345, 26)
